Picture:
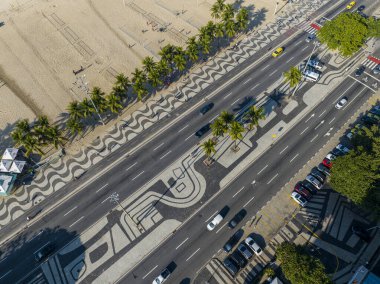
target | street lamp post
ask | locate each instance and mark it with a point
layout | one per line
(83, 85)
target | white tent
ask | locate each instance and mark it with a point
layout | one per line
(5, 165)
(17, 166)
(10, 154)
(6, 182)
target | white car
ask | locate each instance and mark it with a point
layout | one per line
(314, 181)
(162, 277)
(299, 199)
(341, 103)
(253, 246)
(342, 148)
(349, 135)
(331, 157)
(214, 222)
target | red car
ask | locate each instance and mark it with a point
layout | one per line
(327, 163)
(303, 191)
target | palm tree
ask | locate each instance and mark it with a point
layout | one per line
(205, 43)
(209, 148)
(114, 103)
(226, 117)
(23, 126)
(41, 128)
(55, 136)
(228, 12)
(254, 115)
(149, 64)
(180, 61)
(192, 49)
(167, 53)
(154, 77)
(87, 108)
(140, 91)
(97, 96)
(31, 145)
(236, 132)
(217, 9)
(74, 126)
(242, 18)
(293, 76)
(122, 81)
(218, 127)
(230, 28)
(164, 68)
(219, 32)
(21, 131)
(138, 76)
(75, 110)
(118, 91)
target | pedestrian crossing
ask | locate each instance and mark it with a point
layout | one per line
(310, 29)
(369, 64)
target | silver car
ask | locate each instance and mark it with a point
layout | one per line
(245, 251)
(253, 245)
(314, 181)
(376, 70)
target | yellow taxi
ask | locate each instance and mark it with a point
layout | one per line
(352, 4)
(277, 52)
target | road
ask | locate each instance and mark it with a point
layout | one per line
(86, 207)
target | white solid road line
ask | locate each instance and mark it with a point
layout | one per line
(226, 96)
(249, 79)
(304, 48)
(293, 158)
(322, 113)
(138, 175)
(6, 274)
(262, 170)
(32, 238)
(272, 73)
(238, 192)
(214, 118)
(352, 99)
(304, 130)
(183, 128)
(104, 186)
(76, 221)
(290, 59)
(158, 146)
(68, 212)
(314, 138)
(332, 120)
(192, 254)
(221, 228)
(272, 179)
(235, 102)
(248, 202)
(254, 86)
(165, 155)
(182, 243)
(189, 137)
(297, 43)
(211, 216)
(131, 166)
(265, 67)
(3, 259)
(42, 247)
(150, 272)
(284, 149)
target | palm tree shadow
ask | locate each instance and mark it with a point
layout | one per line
(258, 18)
(6, 140)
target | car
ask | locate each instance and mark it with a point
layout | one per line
(250, 242)
(331, 157)
(350, 135)
(325, 170)
(318, 174)
(206, 108)
(244, 250)
(239, 259)
(232, 241)
(44, 253)
(375, 111)
(299, 199)
(203, 130)
(314, 181)
(350, 5)
(337, 152)
(359, 71)
(231, 266)
(361, 8)
(310, 37)
(362, 14)
(342, 148)
(376, 70)
(278, 51)
(327, 163)
(237, 218)
(361, 233)
(214, 222)
(309, 186)
(164, 275)
(341, 103)
(302, 191)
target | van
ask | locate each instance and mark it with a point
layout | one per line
(315, 64)
(311, 75)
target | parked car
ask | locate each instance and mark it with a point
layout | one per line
(203, 130)
(214, 222)
(237, 218)
(361, 233)
(341, 103)
(250, 242)
(361, 8)
(350, 5)
(375, 111)
(374, 116)
(299, 199)
(206, 108)
(324, 169)
(342, 148)
(376, 70)
(233, 241)
(243, 249)
(309, 186)
(359, 71)
(239, 259)
(314, 181)
(231, 266)
(44, 253)
(164, 275)
(327, 163)
(331, 157)
(310, 37)
(337, 152)
(318, 174)
(302, 191)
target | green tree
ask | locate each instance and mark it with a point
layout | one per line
(205, 43)
(180, 60)
(87, 108)
(167, 53)
(138, 76)
(75, 126)
(154, 78)
(236, 131)
(164, 68)
(228, 12)
(269, 272)
(209, 148)
(149, 64)
(55, 136)
(41, 129)
(31, 144)
(97, 96)
(254, 115)
(346, 33)
(300, 267)
(293, 76)
(192, 49)
(226, 117)
(218, 128)
(242, 19)
(121, 81)
(230, 28)
(219, 32)
(114, 103)
(21, 131)
(217, 9)
(75, 110)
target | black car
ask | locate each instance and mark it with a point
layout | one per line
(206, 108)
(361, 8)
(318, 175)
(233, 241)
(237, 218)
(231, 266)
(359, 71)
(203, 130)
(337, 152)
(309, 186)
(361, 233)
(44, 253)
(239, 259)
(324, 169)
